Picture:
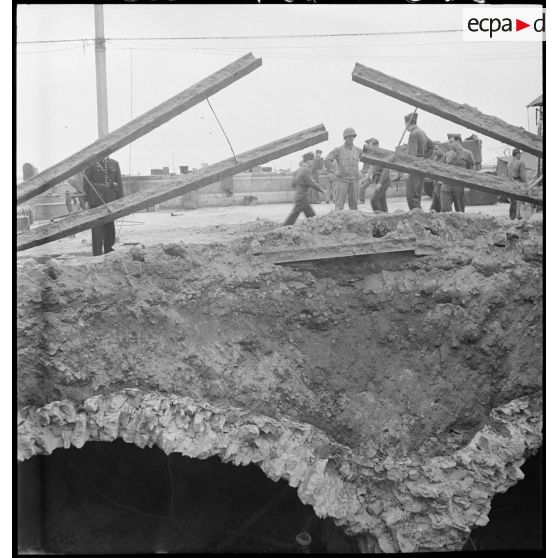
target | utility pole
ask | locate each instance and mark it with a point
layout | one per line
(101, 71)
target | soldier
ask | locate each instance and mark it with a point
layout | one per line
(367, 171)
(102, 183)
(317, 164)
(439, 156)
(380, 178)
(330, 178)
(68, 198)
(303, 181)
(516, 171)
(347, 157)
(419, 145)
(457, 156)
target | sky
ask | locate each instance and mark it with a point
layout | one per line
(302, 82)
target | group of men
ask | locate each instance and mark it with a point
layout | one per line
(343, 178)
(102, 181)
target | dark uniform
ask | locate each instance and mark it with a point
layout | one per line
(102, 183)
(419, 145)
(382, 179)
(516, 171)
(456, 194)
(302, 181)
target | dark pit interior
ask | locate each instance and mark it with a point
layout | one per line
(118, 498)
(516, 517)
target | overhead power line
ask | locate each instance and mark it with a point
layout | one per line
(243, 37)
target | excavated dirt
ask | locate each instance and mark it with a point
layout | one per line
(387, 365)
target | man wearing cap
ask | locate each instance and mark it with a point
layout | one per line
(419, 145)
(379, 177)
(439, 156)
(347, 157)
(303, 181)
(367, 171)
(457, 156)
(102, 183)
(516, 171)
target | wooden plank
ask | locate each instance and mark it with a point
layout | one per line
(453, 175)
(137, 128)
(293, 255)
(462, 114)
(185, 183)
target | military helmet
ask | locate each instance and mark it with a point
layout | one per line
(349, 132)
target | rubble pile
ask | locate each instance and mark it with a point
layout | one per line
(397, 397)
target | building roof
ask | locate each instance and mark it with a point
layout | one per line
(537, 102)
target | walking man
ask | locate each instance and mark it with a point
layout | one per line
(419, 145)
(457, 156)
(102, 183)
(516, 171)
(347, 157)
(303, 181)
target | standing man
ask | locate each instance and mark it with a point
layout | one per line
(516, 171)
(102, 183)
(347, 157)
(439, 156)
(367, 171)
(457, 156)
(303, 181)
(380, 178)
(68, 201)
(317, 164)
(419, 145)
(330, 179)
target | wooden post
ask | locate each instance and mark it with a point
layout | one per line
(137, 128)
(467, 116)
(453, 175)
(101, 71)
(186, 183)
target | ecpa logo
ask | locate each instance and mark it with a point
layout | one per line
(503, 24)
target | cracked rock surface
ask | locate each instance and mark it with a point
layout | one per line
(397, 394)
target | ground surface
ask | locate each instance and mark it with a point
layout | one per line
(210, 224)
(388, 374)
(401, 352)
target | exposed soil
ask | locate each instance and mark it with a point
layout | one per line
(384, 355)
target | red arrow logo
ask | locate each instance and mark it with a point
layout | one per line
(519, 25)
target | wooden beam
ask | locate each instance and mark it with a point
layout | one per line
(453, 175)
(316, 253)
(137, 128)
(185, 183)
(467, 116)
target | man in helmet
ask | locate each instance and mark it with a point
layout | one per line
(347, 157)
(419, 145)
(303, 181)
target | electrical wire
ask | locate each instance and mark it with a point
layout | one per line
(250, 37)
(223, 130)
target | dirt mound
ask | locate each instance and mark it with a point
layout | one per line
(403, 355)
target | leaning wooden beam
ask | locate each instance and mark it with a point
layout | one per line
(137, 128)
(467, 116)
(186, 183)
(454, 175)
